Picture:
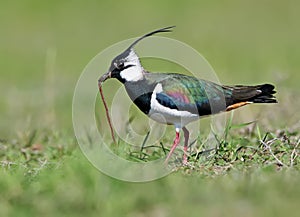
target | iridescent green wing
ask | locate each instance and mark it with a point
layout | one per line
(186, 93)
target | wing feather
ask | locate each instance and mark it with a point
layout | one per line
(186, 93)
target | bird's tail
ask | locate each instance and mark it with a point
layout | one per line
(243, 95)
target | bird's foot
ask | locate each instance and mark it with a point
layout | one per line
(184, 160)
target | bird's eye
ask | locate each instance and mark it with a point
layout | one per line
(120, 65)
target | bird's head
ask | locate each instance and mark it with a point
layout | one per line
(126, 67)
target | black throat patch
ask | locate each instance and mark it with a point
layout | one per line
(140, 93)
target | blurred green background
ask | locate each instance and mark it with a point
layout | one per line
(45, 45)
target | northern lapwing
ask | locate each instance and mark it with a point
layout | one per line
(178, 99)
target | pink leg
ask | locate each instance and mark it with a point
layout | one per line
(176, 142)
(186, 143)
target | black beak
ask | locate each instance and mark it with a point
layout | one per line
(104, 77)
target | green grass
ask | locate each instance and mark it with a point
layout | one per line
(242, 147)
(247, 175)
(44, 48)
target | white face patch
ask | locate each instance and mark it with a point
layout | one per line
(135, 71)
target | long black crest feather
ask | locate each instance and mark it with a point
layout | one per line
(166, 29)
